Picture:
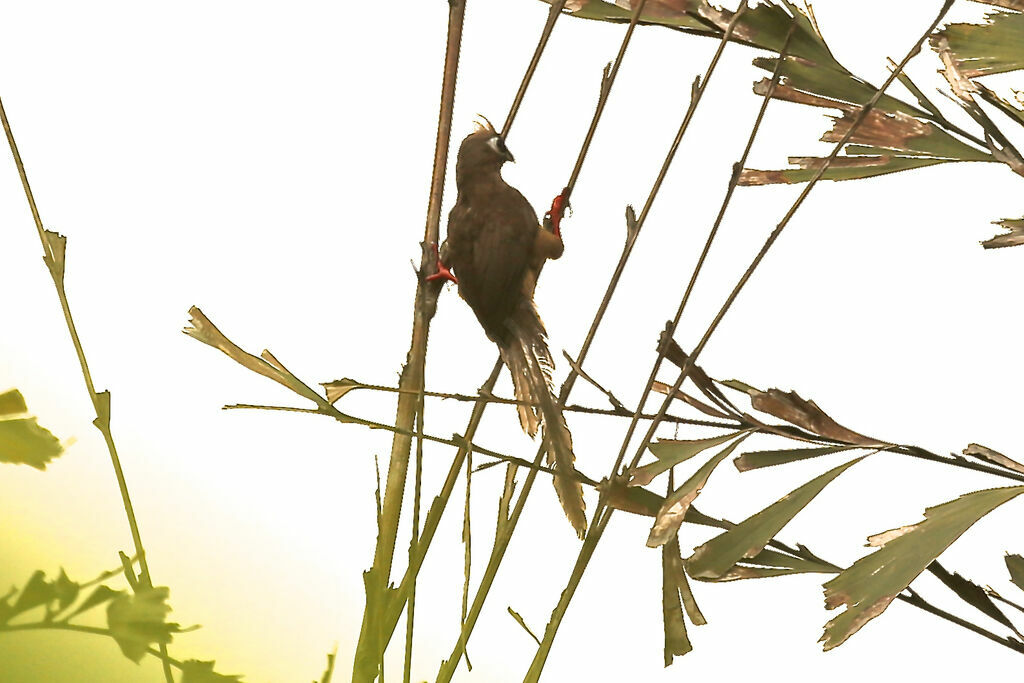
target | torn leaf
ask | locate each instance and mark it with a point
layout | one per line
(672, 512)
(989, 455)
(205, 331)
(715, 558)
(983, 49)
(971, 593)
(1015, 565)
(671, 452)
(1012, 238)
(868, 586)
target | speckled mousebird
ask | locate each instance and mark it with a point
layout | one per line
(497, 247)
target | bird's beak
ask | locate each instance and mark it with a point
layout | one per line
(508, 156)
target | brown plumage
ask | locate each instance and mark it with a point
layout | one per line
(497, 248)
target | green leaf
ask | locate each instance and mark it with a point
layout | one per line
(971, 593)
(757, 459)
(522, 622)
(22, 440)
(12, 403)
(37, 591)
(671, 452)
(65, 590)
(195, 671)
(716, 557)
(872, 582)
(138, 620)
(677, 641)
(1015, 565)
(99, 596)
(672, 512)
(982, 49)
(833, 82)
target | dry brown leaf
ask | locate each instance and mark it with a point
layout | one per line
(806, 414)
(986, 453)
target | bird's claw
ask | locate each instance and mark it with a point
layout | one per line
(442, 273)
(558, 206)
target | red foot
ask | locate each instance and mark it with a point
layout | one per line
(443, 272)
(558, 206)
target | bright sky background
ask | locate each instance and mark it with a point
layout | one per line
(270, 164)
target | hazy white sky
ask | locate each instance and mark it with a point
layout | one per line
(271, 166)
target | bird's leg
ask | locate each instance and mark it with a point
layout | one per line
(554, 215)
(443, 272)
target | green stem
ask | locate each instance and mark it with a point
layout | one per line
(100, 401)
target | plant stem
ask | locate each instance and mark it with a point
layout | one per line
(54, 261)
(369, 649)
(597, 522)
(542, 43)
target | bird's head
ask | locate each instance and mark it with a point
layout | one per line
(483, 151)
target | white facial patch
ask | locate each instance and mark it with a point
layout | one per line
(495, 144)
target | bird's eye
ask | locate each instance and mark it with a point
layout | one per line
(498, 145)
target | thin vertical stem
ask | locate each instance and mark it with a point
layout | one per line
(597, 521)
(100, 401)
(371, 639)
(553, 14)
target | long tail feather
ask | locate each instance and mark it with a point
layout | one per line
(529, 360)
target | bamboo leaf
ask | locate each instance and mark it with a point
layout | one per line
(989, 455)
(807, 415)
(841, 168)
(1012, 238)
(716, 557)
(671, 452)
(770, 563)
(983, 49)
(677, 641)
(672, 512)
(868, 586)
(832, 82)
(1015, 565)
(971, 593)
(757, 459)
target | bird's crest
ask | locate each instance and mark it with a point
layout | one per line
(484, 125)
